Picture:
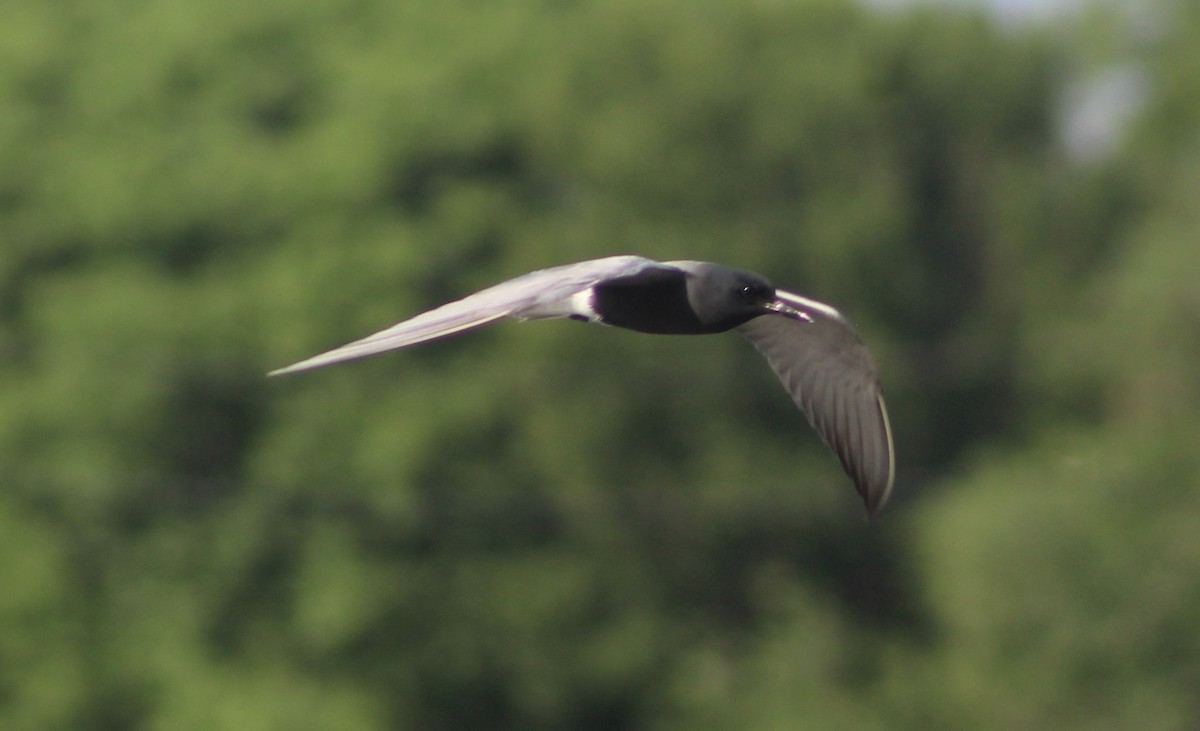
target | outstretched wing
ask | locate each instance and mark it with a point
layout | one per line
(831, 376)
(544, 293)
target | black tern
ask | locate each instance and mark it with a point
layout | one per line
(813, 349)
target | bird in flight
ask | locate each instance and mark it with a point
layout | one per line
(813, 349)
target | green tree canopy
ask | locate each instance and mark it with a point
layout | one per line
(550, 526)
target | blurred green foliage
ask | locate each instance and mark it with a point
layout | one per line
(556, 527)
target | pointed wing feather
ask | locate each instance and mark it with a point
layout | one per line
(544, 293)
(831, 376)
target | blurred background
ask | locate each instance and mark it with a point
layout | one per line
(551, 526)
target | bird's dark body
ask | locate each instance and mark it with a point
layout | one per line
(653, 301)
(699, 300)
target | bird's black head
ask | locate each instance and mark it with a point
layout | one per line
(724, 298)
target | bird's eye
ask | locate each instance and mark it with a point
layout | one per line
(753, 291)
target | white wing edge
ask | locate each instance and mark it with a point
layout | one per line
(798, 301)
(397, 336)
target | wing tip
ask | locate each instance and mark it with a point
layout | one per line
(305, 365)
(875, 496)
(875, 499)
(281, 371)
(875, 505)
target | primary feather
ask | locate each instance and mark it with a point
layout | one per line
(831, 376)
